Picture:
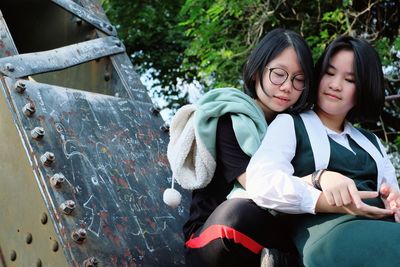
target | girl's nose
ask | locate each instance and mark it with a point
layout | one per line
(335, 83)
(286, 86)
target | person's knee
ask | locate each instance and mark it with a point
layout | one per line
(232, 212)
(222, 252)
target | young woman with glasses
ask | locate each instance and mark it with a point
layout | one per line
(277, 77)
(336, 178)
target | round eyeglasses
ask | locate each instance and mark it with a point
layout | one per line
(279, 76)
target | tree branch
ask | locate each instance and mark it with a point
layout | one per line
(392, 97)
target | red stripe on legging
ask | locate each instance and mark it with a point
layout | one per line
(221, 231)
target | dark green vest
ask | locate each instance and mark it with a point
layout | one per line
(330, 240)
(359, 166)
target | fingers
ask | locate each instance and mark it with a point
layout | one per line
(355, 195)
(384, 190)
(346, 197)
(374, 212)
(392, 201)
(393, 196)
(397, 216)
(368, 194)
(338, 198)
(329, 198)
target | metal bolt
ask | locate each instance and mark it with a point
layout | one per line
(29, 109)
(37, 133)
(47, 158)
(57, 180)
(20, 86)
(54, 246)
(43, 218)
(91, 262)
(155, 110)
(9, 67)
(106, 26)
(107, 76)
(79, 235)
(67, 207)
(78, 21)
(117, 41)
(13, 255)
(28, 238)
(165, 128)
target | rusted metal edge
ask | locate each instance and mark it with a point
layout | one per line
(87, 16)
(61, 58)
(7, 46)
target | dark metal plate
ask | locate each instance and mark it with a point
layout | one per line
(34, 63)
(113, 156)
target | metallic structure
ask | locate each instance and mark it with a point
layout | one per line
(82, 149)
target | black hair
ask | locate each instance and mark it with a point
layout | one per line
(269, 48)
(368, 75)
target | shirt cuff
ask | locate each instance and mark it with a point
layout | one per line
(310, 199)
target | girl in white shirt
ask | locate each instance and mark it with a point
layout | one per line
(318, 166)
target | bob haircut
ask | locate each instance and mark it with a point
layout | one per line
(269, 48)
(368, 75)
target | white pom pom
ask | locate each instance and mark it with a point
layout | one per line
(172, 197)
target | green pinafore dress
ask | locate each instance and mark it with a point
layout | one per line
(337, 240)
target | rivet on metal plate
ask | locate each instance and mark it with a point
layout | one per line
(107, 76)
(57, 180)
(79, 235)
(20, 86)
(47, 159)
(165, 128)
(29, 109)
(9, 67)
(37, 133)
(155, 110)
(67, 207)
(78, 21)
(91, 262)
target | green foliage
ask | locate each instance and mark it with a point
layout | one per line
(208, 41)
(153, 38)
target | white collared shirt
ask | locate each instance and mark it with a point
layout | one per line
(270, 181)
(341, 138)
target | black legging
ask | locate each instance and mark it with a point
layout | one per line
(234, 235)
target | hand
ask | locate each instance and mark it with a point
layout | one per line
(340, 190)
(391, 198)
(367, 210)
(397, 215)
(363, 209)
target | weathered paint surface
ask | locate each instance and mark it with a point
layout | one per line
(113, 156)
(65, 57)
